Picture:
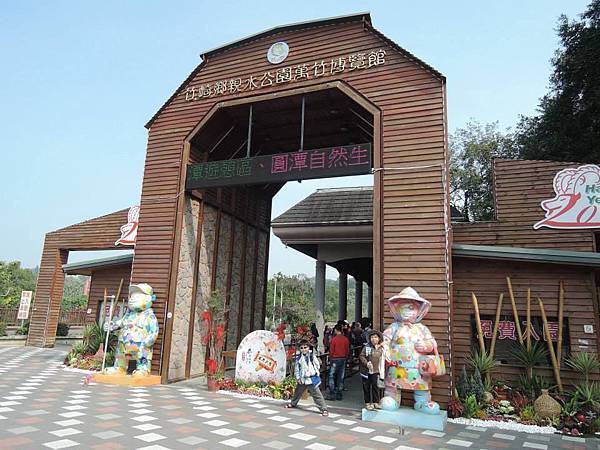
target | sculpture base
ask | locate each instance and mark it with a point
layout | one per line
(407, 417)
(125, 380)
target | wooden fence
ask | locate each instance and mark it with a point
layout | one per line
(73, 317)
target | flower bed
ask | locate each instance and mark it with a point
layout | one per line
(281, 391)
(531, 405)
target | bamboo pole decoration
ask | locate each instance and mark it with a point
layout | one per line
(119, 291)
(496, 323)
(561, 304)
(478, 322)
(555, 366)
(528, 330)
(514, 308)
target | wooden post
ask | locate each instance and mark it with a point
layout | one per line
(561, 304)
(528, 330)
(550, 347)
(496, 323)
(514, 308)
(478, 322)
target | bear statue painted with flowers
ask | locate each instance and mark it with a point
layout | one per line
(139, 329)
(411, 353)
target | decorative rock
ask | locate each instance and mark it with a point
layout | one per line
(488, 397)
(545, 406)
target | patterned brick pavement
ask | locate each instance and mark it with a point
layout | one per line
(44, 406)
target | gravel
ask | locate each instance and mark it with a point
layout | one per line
(514, 426)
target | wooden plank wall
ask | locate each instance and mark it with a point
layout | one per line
(108, 279)
(411, 98)
(95, 234)
(520, 186)
(488, 278)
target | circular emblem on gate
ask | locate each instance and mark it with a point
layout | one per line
(278, 52)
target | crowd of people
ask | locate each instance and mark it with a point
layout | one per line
(341, 342)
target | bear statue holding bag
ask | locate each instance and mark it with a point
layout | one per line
(411, 353)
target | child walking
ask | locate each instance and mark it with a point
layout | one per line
(372, 369)
(306, 371)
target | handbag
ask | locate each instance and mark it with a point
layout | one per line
(380, 383)
(432, 365)
(315, 380)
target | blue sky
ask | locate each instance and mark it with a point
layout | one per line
(80, 79)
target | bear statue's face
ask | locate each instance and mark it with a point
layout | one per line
(404, 310)
(138, 301)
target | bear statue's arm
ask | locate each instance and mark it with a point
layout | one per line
(427, 339)
(150, 324)
(388, 337)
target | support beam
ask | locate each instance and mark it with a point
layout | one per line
(358, 297)
(370, 303)
(320, 300)
(343, 296)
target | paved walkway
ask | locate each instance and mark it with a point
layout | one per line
(44, 406)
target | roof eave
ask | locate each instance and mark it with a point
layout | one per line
(357, 17)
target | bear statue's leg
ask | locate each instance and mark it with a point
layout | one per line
(144, 362)
(424, 403)
(392, 398)
(120, 365)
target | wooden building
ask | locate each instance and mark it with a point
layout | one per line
(336, 84)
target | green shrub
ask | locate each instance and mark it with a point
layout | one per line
(471, 406)
(477, 387)
(2, 329)
(62, 329)
(532, 386)
(587, 396)
(23, 329)
(463, 386)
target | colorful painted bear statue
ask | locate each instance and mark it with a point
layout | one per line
(410, 353)
(139, 329)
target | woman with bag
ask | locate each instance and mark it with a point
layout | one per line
(307, 373)
(372, 369)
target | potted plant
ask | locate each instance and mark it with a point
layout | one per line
(213, 338)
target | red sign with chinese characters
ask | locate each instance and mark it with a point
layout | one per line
(300, 165)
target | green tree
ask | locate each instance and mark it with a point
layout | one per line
(73, 297)
(13, 280)
(567, 127)
(472, 150)
(294, 303)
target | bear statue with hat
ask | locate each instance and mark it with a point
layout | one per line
(139, 329)
(411, 353)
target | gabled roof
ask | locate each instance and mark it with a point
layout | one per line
(358, 17)
(335, 206)
(364, 17)
(331, 206)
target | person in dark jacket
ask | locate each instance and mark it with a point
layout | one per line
(372, 368)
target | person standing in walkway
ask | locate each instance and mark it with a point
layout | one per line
(372, 369)
(339, 349)
(307, 373)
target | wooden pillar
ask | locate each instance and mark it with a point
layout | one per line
(343, 296)
(320, 298)
(358, 297)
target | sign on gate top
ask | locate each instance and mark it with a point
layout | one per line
(300, 165)
(24, 305)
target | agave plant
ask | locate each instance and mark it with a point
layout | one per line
(484, 362)
(587, 395)
(584, 362)
(535, 355)
(532, 386)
